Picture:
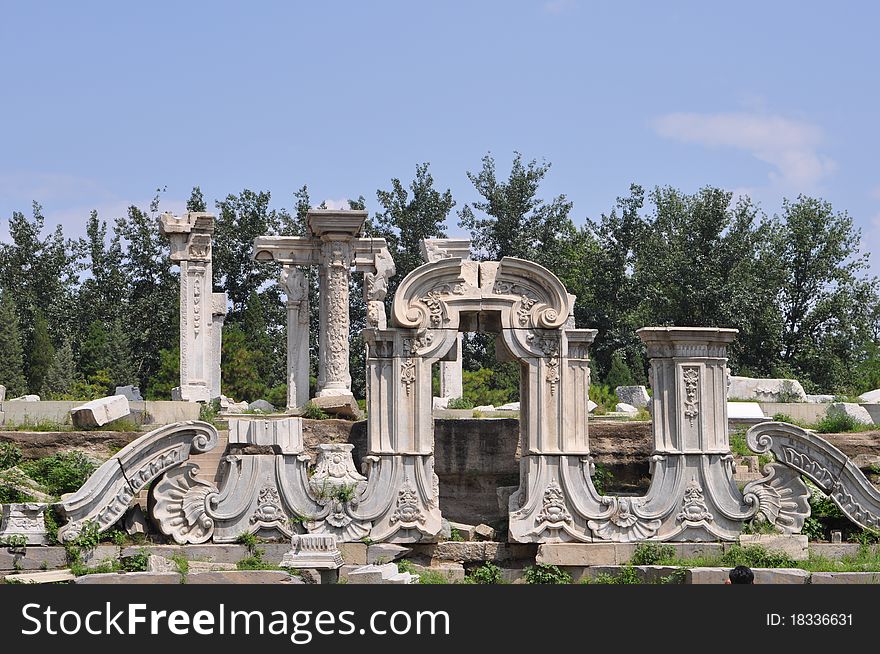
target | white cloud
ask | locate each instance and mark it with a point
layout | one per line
(559, 6)
(789, 146)
(337, 204)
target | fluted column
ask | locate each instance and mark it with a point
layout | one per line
(190, 236)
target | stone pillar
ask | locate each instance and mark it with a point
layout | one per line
(434, 249)
(190, 237)
(333, 372)
(451, 373)
(689, 378)
(336, 229)
(295, 286)
(218, 319)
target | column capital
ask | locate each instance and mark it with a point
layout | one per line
(335, 224)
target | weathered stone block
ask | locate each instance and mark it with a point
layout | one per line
(762, 575)
(845, 578)
(484, 532)
(133, 393)
(795, 546)
(354, 553)
(871, 397)
(100, 412)
(386, 552)
(340, 405)
(454, 572)
(744, 411)
(623, 407)
(24, 520)
(766, 390)
(49, 577)
(262, 405)
(313, 551)
(855, 411)
(584, 554)
(636, 396)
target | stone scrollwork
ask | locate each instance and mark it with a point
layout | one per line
(780, 498)
(624, 525)
(830, 469)
(181, 506)
(338, 488)
(112, 489)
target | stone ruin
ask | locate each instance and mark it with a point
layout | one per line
(692, 494)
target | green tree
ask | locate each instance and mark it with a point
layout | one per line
(11, 351)
(516, 222)
(152, 314)
(240, 367)
(196, 201)
(43, 272)
(95, 354)
(826, 297)
(61, 375)
(167, 377)
(619, 373)
(408, 217)
(41, 354)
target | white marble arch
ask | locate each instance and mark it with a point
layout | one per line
(528, 308)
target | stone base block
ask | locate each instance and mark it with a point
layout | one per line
(100, 412)
(386, 552)
(762, 575)
(50, 577)
(454, 572)
(795, 546)
(224, 577)
(344, 406)
(354, 553)
(24, 521)
(380, 574)
(845, 578)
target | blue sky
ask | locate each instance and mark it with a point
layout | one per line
(103, 102)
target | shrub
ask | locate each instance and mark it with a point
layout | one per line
(652, 554)
(626, 576)
(488, 573)
(460, 403)
(602, 476)
(838, 423)
(313, 412)
(10, 455)
(755, 556)
(60, 473)
(546, 574)
(813, 529)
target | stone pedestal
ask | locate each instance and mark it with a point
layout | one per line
(201, 310)
(313, 552)
(24, 521)
(295, 287)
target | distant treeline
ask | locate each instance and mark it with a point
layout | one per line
(80, 316)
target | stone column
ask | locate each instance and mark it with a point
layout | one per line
(451, 373)
(333, 373)
(190, 237)
(218, 319)
(689, 379)
(336, 229)
(434, 249)
(295, 286)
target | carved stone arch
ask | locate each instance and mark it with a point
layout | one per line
(526, 295)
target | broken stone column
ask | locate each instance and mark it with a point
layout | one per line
(100, 412)
(434, 249)
(336, 229)
(295, 287)
(200, 336)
